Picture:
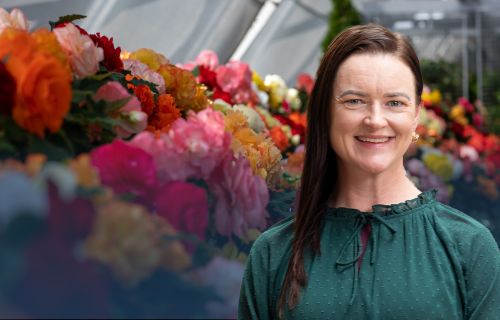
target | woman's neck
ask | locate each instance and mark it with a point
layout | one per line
(361, 190)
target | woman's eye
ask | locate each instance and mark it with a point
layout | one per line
(354, 102)
(396, 103)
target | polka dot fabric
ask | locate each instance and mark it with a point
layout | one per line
(423, 260)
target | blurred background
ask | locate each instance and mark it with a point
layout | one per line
(100, 217)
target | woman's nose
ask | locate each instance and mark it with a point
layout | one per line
(375, 117)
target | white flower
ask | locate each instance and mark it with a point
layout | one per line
(292, 97)
(64, 179)
(15, 19)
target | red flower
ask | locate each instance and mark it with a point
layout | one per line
(185, 206)
(7, 90)
(220, 94)
(305, 83)
(112, 60)
(208, 77)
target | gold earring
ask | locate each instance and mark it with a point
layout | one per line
(414, 137)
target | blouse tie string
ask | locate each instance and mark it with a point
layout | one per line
(361, 220)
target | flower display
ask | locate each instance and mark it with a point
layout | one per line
(129, 186)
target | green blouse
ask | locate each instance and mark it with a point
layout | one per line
(423, 260)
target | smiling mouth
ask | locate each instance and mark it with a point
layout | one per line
(373, 140)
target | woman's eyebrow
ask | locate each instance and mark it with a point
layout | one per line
(354, 92)
(397, 94)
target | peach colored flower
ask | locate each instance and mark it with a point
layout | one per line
(15, 19)
(262, 154)
(47, 42)
(143, 71)
(84, 55)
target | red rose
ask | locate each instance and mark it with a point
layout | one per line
(7, 90)
(112, 60)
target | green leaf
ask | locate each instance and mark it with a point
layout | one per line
(51, 150)
(116, 105)
(100, 76)
(66, 18)
(196, 71)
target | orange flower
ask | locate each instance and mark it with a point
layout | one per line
(166, 114)
(47, 42)
(279, 137)
(146, 97)
(43, 94)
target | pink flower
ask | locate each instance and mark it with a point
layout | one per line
(15, 19)
(236, 78)
(131, 119)
(143, 71)
(185, 206)
(241, 196)
(126, 169)
(83, 54)
(208, 59)
(469, 107)
(191, 149)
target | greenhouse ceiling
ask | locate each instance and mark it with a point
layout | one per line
(274, 36)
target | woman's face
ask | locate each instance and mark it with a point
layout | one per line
(374, 112)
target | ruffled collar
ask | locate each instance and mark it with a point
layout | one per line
(386, 209)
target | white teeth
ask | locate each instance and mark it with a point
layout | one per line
(373, 140)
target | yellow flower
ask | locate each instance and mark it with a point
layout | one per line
(131, 242)
(440, 165)
(257, 79)
(149, 57)
(263, 155)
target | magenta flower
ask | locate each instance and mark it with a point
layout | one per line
(185, 206)
(131, 119)
(241, 196)
(126, 169)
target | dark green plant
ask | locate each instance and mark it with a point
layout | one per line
(343, 15)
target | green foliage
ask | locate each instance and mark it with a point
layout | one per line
(444, 76)
(64, 19)
(343, 15)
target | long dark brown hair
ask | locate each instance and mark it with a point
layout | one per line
(319, 176)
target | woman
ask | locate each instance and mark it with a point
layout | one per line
(365, 243)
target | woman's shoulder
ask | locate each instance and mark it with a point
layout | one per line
(458, 221)
(465, 232)
(276, 240)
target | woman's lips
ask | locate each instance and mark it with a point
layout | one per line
(374, 140)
